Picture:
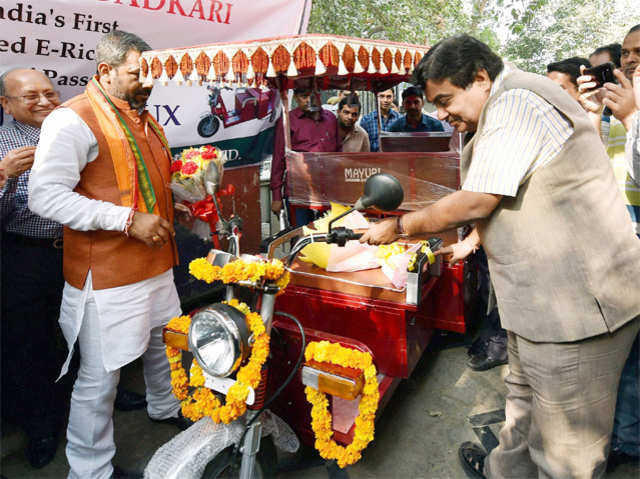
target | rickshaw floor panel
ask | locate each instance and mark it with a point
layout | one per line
(396, 334)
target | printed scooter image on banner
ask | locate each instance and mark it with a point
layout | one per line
(58, 37)
(249, 104)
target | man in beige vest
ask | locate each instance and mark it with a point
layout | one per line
(562, 256)
(102, 170)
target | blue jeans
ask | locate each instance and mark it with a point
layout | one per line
(626, 423)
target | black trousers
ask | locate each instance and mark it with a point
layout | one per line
(490, 326)
(32, 346)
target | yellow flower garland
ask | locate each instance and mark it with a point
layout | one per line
(203, 401)
(240, 270)
(333, 353)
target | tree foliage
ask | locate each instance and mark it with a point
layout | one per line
(531, 33)
(542, 31)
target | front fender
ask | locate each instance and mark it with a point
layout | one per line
(186, 455)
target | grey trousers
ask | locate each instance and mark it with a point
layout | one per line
(560, 405)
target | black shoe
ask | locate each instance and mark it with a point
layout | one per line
(483, 362)
(41, 450)
(179, 421)
(120, 473)
(618, 458)
(478, 346)
(472, 459)
(129, 400)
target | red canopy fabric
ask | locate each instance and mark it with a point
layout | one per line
(322, 61)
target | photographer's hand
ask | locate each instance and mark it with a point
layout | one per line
(590, 98)
(620, 99)
(636, 86)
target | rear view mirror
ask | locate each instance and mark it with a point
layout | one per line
(383, 191)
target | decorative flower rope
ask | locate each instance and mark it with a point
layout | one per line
(240, 270)
(333, 353)
(203, 402)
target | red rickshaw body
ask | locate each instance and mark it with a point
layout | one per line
(361, 310)
(362, 307)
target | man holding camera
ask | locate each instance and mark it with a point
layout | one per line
(566, 72)
(619, 98)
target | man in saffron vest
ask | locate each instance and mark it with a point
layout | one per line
(563, 258)
(102, 170)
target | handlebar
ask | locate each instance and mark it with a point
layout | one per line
(338, 236)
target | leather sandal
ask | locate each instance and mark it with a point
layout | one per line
(472, 459)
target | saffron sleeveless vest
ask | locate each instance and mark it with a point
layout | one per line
(114, 259)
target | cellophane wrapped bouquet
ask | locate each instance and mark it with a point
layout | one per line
(191, 172)
(188, 171)
(355, 256)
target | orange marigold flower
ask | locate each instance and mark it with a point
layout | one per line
(203, 401)
(320, 416)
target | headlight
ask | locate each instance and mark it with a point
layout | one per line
(219, 339)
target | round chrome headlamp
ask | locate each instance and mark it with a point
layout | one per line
(219, 339)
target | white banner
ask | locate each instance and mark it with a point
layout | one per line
(59, 38)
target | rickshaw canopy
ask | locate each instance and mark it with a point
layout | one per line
(314, 61)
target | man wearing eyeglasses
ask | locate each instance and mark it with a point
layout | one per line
(31, 272)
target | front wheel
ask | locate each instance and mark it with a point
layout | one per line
(226, 465)
(208, 126)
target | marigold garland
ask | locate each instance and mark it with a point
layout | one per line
(240, 270)
(333, 353)
(203, 402)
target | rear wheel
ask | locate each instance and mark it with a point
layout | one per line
(226, 465)
(208, 126)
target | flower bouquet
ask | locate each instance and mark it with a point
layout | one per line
(189, 169)
(196, 175)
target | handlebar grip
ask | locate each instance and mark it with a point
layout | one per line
(355, 236)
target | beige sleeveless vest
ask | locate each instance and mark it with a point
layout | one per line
(563, 258)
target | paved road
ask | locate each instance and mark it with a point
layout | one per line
(417, 436)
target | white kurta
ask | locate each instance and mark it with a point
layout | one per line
(66, 146)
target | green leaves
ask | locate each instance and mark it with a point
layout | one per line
(530, 33)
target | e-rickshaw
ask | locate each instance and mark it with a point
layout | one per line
(355, 311)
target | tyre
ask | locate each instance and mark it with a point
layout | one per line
(208, 126)
(227, 466)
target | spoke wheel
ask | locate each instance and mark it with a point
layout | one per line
(227, 466)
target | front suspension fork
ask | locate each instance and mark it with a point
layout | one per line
(249, 449)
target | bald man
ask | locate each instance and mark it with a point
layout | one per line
(31, 272)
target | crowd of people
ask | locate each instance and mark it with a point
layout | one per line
(550, 185)
(315, 128)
